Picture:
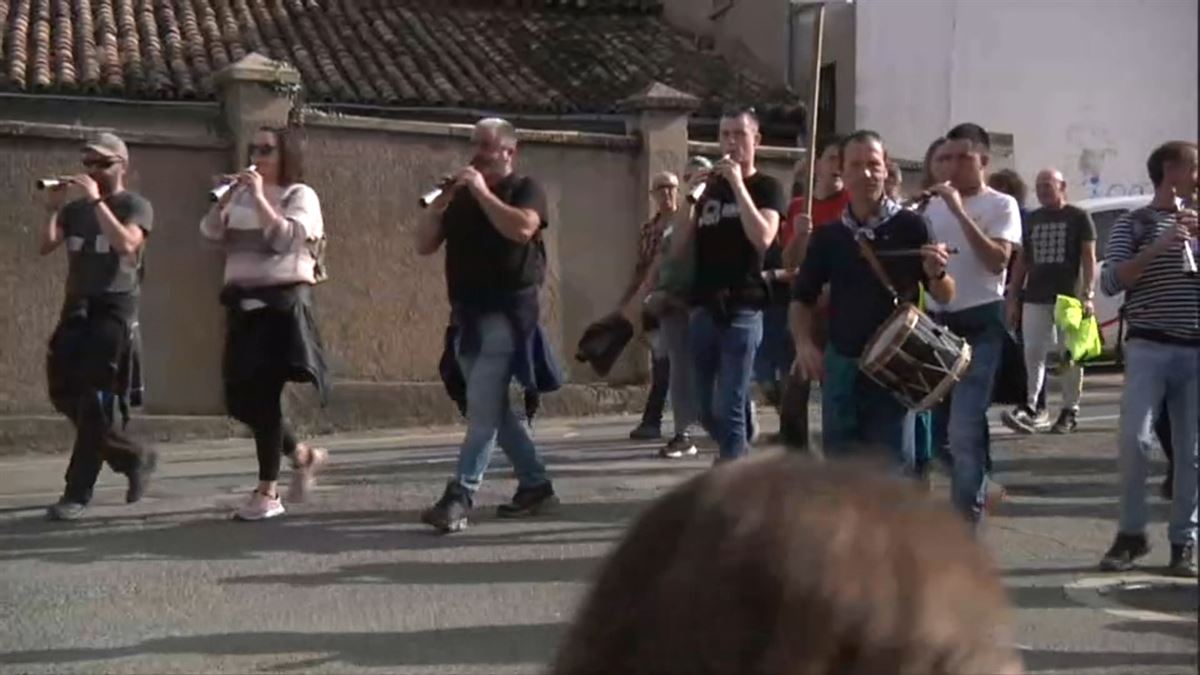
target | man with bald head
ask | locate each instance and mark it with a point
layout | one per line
(1058, 258)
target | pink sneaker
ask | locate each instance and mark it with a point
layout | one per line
(304, 470)
(259, 507)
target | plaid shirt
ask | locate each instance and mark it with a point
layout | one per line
(649, 244)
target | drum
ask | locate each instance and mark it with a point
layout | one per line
(916, 359)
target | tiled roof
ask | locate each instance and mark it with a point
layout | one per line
(562, 56)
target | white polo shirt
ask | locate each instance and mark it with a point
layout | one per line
(998, 216)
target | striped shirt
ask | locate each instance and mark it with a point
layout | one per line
(255, 256)
(1164, 300)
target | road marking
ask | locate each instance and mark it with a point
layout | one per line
(1093, 592)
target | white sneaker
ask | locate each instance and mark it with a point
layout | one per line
(259, 507)
(305, 470)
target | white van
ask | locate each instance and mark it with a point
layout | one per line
(1105, 211)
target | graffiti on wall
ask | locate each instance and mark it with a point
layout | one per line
(1096, 152)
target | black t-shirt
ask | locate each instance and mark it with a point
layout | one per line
(93, 267)
(1053, 245)
(858, 302)
(479, 260)
(725, 258)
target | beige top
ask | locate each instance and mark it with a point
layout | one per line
(258, 255)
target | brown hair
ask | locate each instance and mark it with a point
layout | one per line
(1171, 152)
(1009, 182)
(780, 565)
(927, 178)
(291, 155)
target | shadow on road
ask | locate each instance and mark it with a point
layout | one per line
(1041, 660)
(415, 573)
(476, 645)
(335, 532)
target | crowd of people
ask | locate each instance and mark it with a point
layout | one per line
(738, 283)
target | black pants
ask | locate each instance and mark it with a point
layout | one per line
(256, 403)
(82, 368)
(660, 383)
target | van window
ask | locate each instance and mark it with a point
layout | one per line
(1104, 221)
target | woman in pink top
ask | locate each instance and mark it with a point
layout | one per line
(269, 225)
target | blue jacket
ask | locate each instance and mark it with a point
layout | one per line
(534, 365)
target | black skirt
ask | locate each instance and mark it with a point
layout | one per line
(271, 333)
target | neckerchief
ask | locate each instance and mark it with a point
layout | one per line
(887, 208)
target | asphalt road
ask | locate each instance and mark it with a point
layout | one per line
(351, 582)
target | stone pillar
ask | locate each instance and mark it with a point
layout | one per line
(659, 116)
(255, 92)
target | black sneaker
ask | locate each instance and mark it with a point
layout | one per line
(1125, 549)
(139, 478)
(1067, 422)
(1183, 560)
(449, 514)
(65, 509)
(646, 432)
(1020, 420)
(680, 446)
(534, 501)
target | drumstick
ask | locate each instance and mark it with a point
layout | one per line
(899, 252)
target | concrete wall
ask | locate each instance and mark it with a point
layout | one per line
(180, 322)
(1088, 86)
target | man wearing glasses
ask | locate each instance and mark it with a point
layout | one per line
(92, 362)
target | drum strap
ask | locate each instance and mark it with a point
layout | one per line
(877, 267)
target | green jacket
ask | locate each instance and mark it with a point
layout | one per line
(675, 274)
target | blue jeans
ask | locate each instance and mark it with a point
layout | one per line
(490, 417)
(776, 353)
(724, 358)
(961, 420)
(675, 333)
(1153, 372)
(858, 414)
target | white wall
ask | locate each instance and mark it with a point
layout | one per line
(1088, 86)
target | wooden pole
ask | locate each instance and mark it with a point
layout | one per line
(818, 39)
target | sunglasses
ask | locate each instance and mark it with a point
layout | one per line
(264, 149)
(99, 163)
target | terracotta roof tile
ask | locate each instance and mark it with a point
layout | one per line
(560, 56)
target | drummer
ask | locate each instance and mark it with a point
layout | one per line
(857, 413)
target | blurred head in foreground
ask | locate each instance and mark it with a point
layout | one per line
(778, 565)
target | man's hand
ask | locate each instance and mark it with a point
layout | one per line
(90, 188)
(934, 258)
(1012, 313)
(729, 170)
(470, 177)
(1178, 232)
(810, 362)
(949, 195)
(1089, 307)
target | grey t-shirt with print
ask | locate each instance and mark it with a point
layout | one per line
(1053, 246)
(93, 267)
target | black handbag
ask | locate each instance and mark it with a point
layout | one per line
(1011, 383)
